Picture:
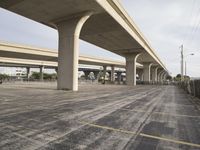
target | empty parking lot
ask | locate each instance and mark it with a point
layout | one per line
(36, 116)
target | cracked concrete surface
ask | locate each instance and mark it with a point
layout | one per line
(35, 116)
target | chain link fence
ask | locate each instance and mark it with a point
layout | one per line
(191, 87)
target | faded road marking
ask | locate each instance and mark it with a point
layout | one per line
(141, 134)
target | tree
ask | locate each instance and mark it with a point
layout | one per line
(35, 75)
(186, 78)
(178, 77)
(4, 76)
(46, 76)
(169, 77)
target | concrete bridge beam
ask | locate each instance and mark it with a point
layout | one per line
(68, 51)
(131, 68)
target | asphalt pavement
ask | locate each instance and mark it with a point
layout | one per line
(36, 116)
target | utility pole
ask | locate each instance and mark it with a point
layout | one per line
(185, 68)
(182, 64)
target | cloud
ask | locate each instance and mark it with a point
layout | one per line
(166, 25)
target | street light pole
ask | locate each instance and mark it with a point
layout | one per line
(185, 68)
(182, 63)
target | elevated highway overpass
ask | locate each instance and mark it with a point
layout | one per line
(28, 55)
(103, 23)
(18, 55)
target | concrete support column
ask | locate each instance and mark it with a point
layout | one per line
(160, 75)
(96, 73)
(68, 51)
(163, 76)
(41, 72)
(147, 71)
(140, 74)
(119, 77)
(27, 73)
(131, 68)
(86, 74)
(154, 71)
(112, 74)
(142, 77)
(104, 72)
(56, 70)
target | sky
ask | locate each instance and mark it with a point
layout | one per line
(165, 24)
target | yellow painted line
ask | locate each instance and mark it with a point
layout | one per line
(170, 140)
(142, 134)
(162, 113)
(106, 127)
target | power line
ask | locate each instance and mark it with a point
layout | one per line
(195, 27)
(191, 20)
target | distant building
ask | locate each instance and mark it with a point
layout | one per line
(20, 73)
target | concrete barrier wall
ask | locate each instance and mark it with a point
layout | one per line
(191, 87)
